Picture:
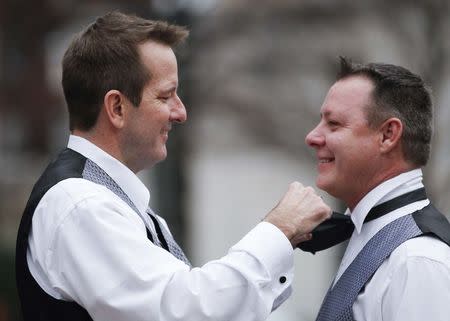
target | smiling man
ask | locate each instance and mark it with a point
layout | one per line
(371, 142)
(90, 248)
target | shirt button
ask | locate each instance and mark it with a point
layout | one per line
(282, 279)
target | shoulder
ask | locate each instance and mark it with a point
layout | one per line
(75, 195)
(75, 189)
(76, 202)
(424, 253)
(70, 192)
(413, 283)
(420, 262)
(423, 247)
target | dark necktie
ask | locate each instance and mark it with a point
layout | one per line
(164, 239)
(339, 227)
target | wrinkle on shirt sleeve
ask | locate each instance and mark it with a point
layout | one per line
(243, 285)
(101, 258)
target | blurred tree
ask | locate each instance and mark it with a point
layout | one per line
(9, 304)
(25, 91)
(269, 68)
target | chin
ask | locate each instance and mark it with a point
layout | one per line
(163, 155)
(325, 186)
(160, 156)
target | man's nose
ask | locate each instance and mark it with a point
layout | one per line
(314, 138)
(179, 114)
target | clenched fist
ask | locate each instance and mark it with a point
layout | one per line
(298, 213)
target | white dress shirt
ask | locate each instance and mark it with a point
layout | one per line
(413, 283)
(87, 245)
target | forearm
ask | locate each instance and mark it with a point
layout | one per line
(242, 285)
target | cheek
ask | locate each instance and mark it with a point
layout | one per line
(357, 157)
(337, 144)
(160, 117)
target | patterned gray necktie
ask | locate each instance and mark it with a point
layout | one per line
(338, 303)
(96, 174)
(172, 245)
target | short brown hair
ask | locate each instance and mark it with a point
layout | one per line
(105, 56)
(398, 93)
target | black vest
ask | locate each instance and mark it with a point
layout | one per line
(37, 305)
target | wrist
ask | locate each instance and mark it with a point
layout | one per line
(287, 229)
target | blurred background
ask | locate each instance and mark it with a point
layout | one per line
(253, 76)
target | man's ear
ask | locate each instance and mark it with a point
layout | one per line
(391, 132)
(114, 107)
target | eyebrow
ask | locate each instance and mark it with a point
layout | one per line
(169, 90)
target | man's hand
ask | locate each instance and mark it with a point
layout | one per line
(298, 213)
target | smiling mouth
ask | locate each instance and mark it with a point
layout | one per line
(326, 160)
(165, 131)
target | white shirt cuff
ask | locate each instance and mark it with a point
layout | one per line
(272, 248)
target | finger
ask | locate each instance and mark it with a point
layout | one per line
(305, 237)
(295, 185)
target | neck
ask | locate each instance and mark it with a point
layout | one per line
(380, 177)
(106, 142)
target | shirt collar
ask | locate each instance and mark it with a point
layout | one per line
(387, 190)
(121, 174)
